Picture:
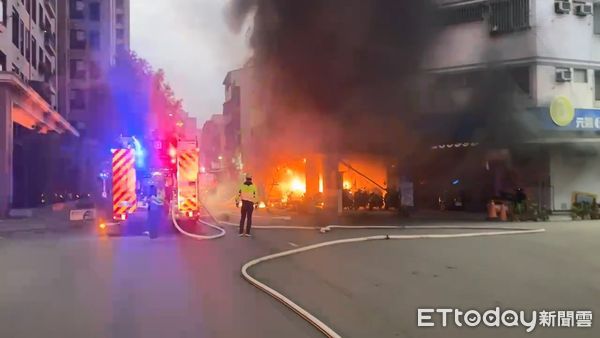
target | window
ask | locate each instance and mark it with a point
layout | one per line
(597, 84)
(40, 13)
(77, 39)
(3, 12)
(34, 7)
(121, 48)
(41, 54)
(461, 14)
(596, 17)
(120, 34)
(48, 68)
(34, 54)
(120, 19)
(22, 37)
(2, 62)
(580, 75)
(508, 16)
(76, 9)
(95, 11)
(77, 99)
(28, 6)
(120, 4)
(27, 45)
(15, 27)
(77, 69)
(95, 72)
(95, 40)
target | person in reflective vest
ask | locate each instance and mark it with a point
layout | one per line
(247, 195)
(156, 210)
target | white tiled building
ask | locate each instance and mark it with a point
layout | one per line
(552, 49)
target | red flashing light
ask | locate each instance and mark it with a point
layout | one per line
(172, 152)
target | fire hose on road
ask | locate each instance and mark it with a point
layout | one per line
(312, 319)
(221, 231)
(316, 322)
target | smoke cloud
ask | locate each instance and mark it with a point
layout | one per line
(341, 74)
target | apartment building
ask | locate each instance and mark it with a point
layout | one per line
(28, 44)
(551, 50)
(90, 34)
(28, 99)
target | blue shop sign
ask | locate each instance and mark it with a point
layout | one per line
(581, 119)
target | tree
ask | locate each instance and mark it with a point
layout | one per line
(141, 99)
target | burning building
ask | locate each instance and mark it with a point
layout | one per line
(466, 98)
(329, 81)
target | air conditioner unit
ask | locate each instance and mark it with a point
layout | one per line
(563, 75)
(562, 7)
(79, 6)
(583, 9)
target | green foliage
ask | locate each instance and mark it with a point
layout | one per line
(529, 211)
(584, 210)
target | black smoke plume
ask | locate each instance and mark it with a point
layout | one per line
(341, 75)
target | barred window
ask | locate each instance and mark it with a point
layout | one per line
(462, 14)
(508, 16)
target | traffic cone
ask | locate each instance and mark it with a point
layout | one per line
(492, 212)
(503, 213)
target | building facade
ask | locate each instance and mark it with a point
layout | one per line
(28, 100)
(551, 52)
(90, 34)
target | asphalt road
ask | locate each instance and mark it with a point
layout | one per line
(82, 285)
(373, 289)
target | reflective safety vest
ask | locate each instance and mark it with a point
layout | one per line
(248, 192)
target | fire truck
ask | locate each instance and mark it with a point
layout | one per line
(171, 164)
(187, 179)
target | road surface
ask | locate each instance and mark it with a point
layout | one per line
(81, 285)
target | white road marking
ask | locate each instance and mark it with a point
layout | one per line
(293, 244)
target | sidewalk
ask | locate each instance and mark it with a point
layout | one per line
(54, 218)
(360, 217)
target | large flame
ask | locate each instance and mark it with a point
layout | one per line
(297, 185)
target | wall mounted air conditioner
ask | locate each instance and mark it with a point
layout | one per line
(583, 9)
(563, 75)
(562, 7)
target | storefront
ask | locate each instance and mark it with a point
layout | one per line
(570, 137)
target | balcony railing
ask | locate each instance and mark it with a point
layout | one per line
(51, 7)
(44, 89)
(46, 71)
(50, 42)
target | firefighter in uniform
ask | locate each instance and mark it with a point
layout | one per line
(247, 195)
(156, 210)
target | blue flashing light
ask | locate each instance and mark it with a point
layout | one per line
(456, 182)
(139, 153)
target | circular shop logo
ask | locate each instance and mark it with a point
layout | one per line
(562, 111)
